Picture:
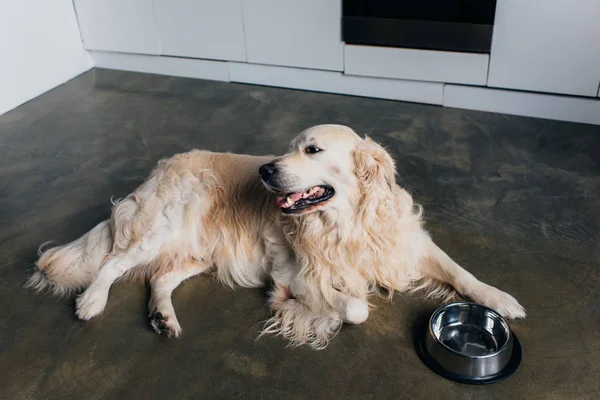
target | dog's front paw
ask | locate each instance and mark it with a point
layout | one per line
(503, 303)
(356, 312)
(90, 304)
(164, 324)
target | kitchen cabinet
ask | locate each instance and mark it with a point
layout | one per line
(210, 29)
(546, 46)
(117, 25)
(304, 34)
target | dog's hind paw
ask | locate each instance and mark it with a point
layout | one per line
(166, 325)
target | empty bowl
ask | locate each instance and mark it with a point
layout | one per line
(469, 343)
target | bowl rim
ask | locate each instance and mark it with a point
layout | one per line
(471, 303)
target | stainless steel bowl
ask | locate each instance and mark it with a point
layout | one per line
(469, 343)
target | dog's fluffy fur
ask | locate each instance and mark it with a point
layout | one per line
(203, 210)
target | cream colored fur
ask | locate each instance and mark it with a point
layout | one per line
(203, 210)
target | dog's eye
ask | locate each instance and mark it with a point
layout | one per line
(312, 150)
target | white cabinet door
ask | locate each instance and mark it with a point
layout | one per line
(547, 46)
(297, 33)
(210, 29)
(117, 25)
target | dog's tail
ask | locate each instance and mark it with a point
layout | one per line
(73, 266)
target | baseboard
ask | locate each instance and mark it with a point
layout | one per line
(337, 82)
(529, 104)
(172, 66)
(538, 105)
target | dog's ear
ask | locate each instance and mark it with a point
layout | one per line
(374, 165)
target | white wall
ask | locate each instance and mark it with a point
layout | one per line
(40, 48)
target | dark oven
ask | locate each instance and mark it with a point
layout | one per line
(451, 25)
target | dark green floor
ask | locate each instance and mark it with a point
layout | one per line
(514, 200)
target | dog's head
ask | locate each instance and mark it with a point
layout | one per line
(328, 166)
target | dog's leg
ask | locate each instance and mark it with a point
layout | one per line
(295, 318)
(162, 313)
(92, 302)
(302, 315)
(305, 320)
(437, 265)
(298, 322)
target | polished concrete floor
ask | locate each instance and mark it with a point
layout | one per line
(514, 200)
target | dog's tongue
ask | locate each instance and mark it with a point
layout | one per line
(296, 196)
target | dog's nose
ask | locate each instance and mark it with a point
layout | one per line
(267, 170)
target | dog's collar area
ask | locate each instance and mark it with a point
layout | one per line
(298, 201)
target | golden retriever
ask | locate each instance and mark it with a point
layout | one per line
(326, 223)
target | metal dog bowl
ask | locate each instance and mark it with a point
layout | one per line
(469, 343)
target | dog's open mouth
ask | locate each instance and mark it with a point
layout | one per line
(298, 201)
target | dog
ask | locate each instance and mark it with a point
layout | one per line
(326, 223)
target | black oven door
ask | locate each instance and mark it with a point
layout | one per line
(451, 25)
